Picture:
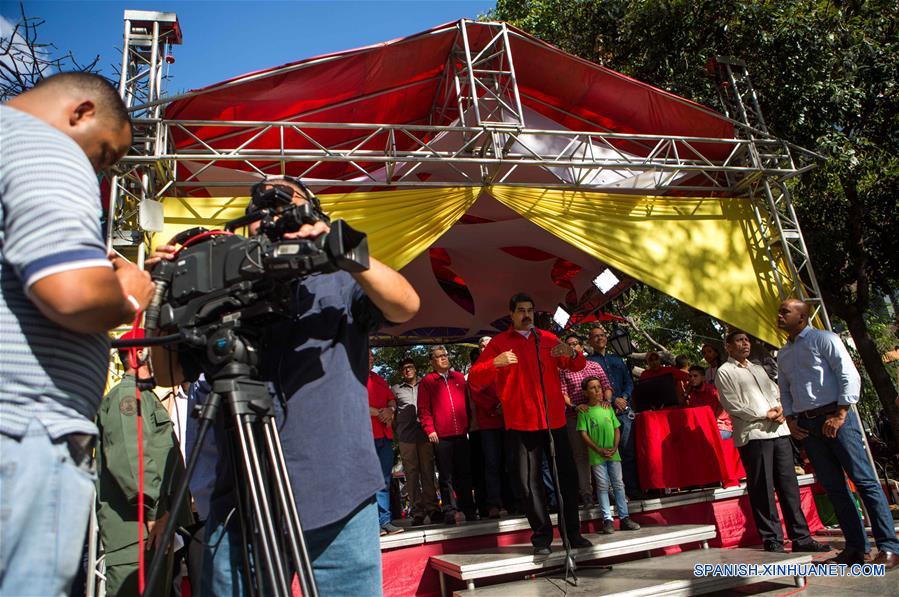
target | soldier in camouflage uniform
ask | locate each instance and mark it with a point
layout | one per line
(117, 483)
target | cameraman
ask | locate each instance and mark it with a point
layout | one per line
(59, 295)
(319, 361)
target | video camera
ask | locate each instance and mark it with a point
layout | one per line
(220, 280)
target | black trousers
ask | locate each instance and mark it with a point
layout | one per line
(769, 468)
(530, 447)
(453, 455)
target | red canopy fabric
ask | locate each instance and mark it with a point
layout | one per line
(403, 81)
(396, 82)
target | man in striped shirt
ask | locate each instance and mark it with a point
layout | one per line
(59, 295)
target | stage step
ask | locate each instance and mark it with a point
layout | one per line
(666, 575)
(837, 532)
(497, 561)
(438, 532)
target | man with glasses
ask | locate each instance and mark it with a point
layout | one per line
(442, 410)
(576, 402)
(415, 449)
(619, 375)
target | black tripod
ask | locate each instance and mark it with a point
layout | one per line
(269, 521)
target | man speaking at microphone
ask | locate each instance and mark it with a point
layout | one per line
(510, 360)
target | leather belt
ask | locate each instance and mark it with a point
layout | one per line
(818, 412)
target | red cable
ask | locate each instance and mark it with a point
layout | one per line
(134, 363)
(201, 236)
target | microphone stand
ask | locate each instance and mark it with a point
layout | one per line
(570, 566)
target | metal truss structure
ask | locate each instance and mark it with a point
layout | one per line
(772, 201)
(486, 142)
(146, 50)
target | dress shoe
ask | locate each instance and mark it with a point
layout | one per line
(580, 541)
(449, 518)
(493, 512)
(608, 527)
(629, 525)
(391, 529)
(774, 547)
(542, 551)
(848, 557)
(811, 546)
(889, 560)
(418, 520)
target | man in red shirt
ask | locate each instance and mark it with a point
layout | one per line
(510, 361)
(705, 394)
(381, 407)
(442, 410)
(654, 368)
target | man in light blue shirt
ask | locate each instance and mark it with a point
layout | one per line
(818, 383)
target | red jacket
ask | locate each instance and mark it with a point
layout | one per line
(486, 404)
(379, 395)
(707, 395)
(441, 404)
(519, 384)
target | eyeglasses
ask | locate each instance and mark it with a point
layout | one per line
(440, 356)
(408, 367)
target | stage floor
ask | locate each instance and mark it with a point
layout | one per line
(830, 586)
(406, 557)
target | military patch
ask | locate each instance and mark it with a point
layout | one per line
(128, 406)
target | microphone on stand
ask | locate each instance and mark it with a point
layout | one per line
(570, 566)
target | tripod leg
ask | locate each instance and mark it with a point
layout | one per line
(210, 408)
(270, 560)
(284, 493)
(248, 543)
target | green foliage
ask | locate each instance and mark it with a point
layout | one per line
(388, 359)
(826, 78)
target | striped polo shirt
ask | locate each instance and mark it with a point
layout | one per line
(49, 223)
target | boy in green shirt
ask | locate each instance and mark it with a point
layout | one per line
(599, 430)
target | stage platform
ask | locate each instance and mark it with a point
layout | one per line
(668, 576)
(519, 559)
(406, 557)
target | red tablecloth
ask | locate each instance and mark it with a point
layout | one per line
(681, 447)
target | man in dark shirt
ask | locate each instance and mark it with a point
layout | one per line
(319, 361)
(415, 449)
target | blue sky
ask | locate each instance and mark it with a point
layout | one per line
(223, 39)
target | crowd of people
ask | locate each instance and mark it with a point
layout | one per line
(536, 425)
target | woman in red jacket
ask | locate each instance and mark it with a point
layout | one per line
(510, 361)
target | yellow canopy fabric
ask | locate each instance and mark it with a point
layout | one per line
(700, 250)
(400, 224)
(703, 251)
